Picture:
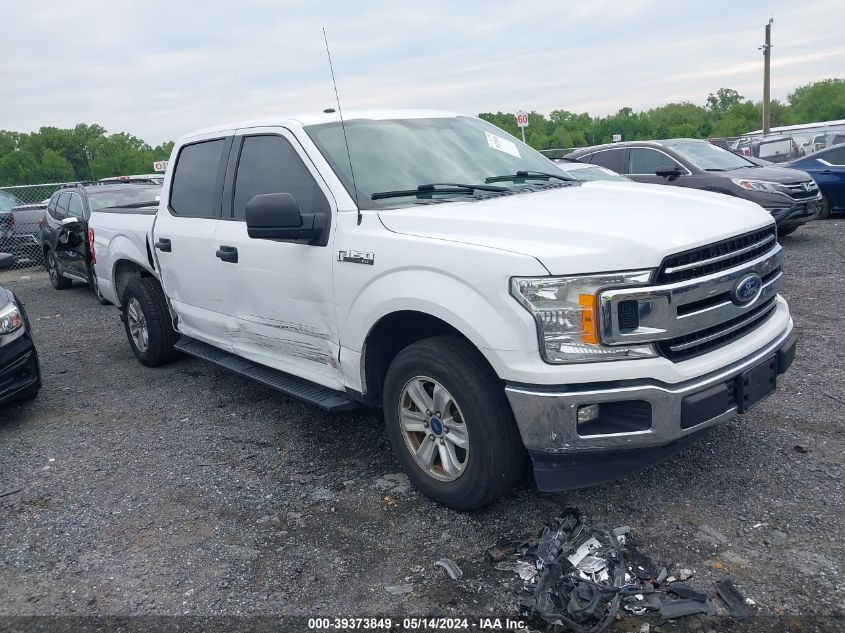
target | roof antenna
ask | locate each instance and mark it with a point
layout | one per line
(342, 125)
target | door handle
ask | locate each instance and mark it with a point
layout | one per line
(228, 254)
(163, 244)
(826, 171)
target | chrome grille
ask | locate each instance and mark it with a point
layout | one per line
(713, 258)
(695, 314)
(800, 190)
(690, 345)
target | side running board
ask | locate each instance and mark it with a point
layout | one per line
(295, 387)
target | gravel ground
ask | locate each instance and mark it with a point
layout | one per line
(186, 490)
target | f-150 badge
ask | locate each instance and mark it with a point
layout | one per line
(356, 257)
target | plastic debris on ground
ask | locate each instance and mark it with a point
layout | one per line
(585, 578)
(451, 568)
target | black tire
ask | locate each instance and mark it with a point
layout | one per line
(59, 281)
(825, 211)
(95, 286)
(788, 231)
(496, 459)
(161, 336)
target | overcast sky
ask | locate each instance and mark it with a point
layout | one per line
(159, 69)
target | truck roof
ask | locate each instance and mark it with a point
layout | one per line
(316, 118)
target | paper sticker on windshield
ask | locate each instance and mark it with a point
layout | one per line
(502, 144)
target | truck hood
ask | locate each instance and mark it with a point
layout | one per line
(596, 227)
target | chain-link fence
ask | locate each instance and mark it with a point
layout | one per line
(21, 212)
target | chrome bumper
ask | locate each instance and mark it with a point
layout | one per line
(547, 418)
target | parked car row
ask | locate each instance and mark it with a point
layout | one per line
(790, 196)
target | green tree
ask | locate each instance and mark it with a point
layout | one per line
(19, 168)
(819, 101)
(55, 167)
(723, 100)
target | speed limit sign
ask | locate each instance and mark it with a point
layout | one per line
(522, 119)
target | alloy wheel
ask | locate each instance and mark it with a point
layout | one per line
(433, 428)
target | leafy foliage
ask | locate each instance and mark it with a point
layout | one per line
(86, 152)
(89, 152)
(725, 113)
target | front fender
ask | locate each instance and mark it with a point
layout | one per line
(490, 320)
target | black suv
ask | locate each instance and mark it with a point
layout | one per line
(20, 373)
(791, 196)
(65, 237)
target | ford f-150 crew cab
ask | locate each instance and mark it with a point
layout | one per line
(434, 265)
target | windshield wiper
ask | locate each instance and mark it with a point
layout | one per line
(436, 187)
(529, 175)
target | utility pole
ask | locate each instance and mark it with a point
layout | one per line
(767, 60)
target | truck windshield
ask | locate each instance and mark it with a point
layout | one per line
(124, 197)
(396, 155)
(708, 157)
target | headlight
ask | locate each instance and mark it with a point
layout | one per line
(565, 310)
(10, 318)
(757, 185)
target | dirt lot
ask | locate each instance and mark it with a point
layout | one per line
(186, 490)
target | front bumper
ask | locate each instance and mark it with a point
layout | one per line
(648, 420)
(787, 215)
(20, 373)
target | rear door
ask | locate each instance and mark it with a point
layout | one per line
(183, 237)
(281, 303)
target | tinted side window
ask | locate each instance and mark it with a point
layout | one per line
(270, 164)
(51, 206)
(193, 191)
(75, 206)
(642, 160)
(62, 206)
(610, 158)
(835, 156)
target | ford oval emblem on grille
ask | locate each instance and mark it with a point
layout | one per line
(747, 289)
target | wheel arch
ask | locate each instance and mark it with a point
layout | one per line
(123, 271)
(392, 333)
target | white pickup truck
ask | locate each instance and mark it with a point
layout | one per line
(433, 265)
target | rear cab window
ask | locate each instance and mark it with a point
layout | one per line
(195, 190)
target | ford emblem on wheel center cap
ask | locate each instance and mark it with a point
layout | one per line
(747, 289)
(436, 426)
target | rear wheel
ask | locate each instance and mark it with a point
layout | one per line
(95, 286)
(59, 281)
(824, 212)
(450, 423)
(146, 319)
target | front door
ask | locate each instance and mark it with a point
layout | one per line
(183, 238)
(280, 301)
(69, 238)
(643, 162)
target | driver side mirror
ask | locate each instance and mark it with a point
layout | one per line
(276, 216)
(668, 171)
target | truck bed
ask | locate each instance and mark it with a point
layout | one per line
(121, 234)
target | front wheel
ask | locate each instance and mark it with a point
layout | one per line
(824, 212)
(146, 319)
(57, 279)
(450, 423)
